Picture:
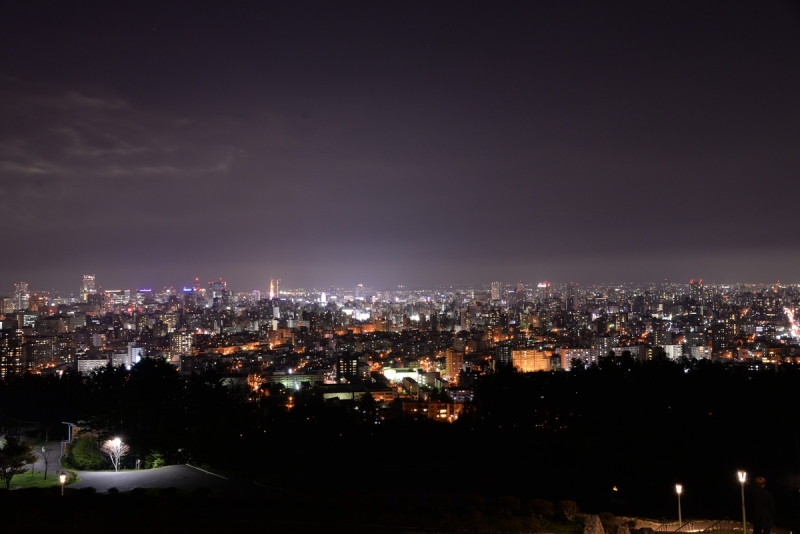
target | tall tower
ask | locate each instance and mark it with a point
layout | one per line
(88, 287)
(544, 290)
(572, 297)
(497, 290)
(274, 288)
(21, 296)
(696, 291)
(454, 362)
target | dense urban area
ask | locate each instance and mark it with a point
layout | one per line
(411, 401)
(400, 343)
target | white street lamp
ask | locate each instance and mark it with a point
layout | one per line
(679, 490)
(742, 477)
(63, 479)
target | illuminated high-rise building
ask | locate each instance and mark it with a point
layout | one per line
(143, 295)
(180, 343)
(116, 299)
(544, 290)
(497, 290)
(21, 296)
(274, 288)
(572, 297)
(6, 305)
(88, 287)
(454, 362)
(346, 367)
(696, 291)
(217, 287)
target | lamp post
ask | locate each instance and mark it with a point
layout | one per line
(742, 478)
(63, 479)
(679, 490)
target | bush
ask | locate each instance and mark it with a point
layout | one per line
(541, 508)
(113, 491)
(154, 459)
(569, 509)
(507, 504)
(609, 522)
(83, 453)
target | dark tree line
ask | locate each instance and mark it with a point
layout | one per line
(615, 437)
(151, 407)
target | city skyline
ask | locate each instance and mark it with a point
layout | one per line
(398, 143)
(274, 287)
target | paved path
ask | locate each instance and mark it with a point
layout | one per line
(179, 476)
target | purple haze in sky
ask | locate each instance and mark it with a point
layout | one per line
(336, 143)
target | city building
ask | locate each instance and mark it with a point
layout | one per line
(527, 361)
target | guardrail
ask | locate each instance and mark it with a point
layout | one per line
(724, 525)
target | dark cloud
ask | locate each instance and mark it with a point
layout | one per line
(398, 143)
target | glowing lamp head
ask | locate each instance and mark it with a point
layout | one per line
(678, 489)
(742, 476)
(62, 477)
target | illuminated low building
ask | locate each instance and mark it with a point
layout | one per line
(527, 360)
(439, 411)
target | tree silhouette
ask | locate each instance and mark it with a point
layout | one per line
(569, 509)
(14, 456)
(49, 456)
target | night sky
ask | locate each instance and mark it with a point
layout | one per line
(385, 143)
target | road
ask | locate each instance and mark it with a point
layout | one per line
(179, 476)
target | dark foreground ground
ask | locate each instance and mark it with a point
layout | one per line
(403, 498)
(171, 510)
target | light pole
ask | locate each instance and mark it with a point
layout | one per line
(63, 479)
(679, 490)
(742, 478)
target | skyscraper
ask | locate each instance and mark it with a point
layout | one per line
(696, 291)
(497, 290)
(180, 343)
(274, 288)
(87, 288)
(6, 304)
(454, 362)
(572, 297)
(544, 290)
(21, 296)
(215, 289)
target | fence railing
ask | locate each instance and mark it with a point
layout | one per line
(724, 525)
